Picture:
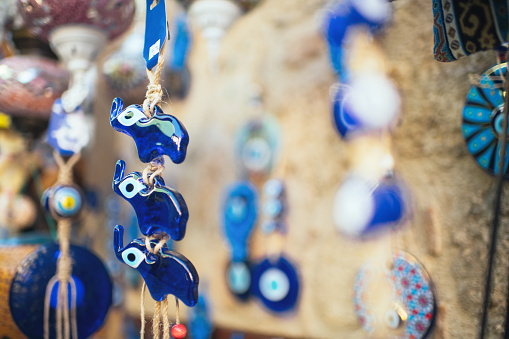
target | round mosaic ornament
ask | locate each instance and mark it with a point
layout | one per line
(482, 120)
(414, 310)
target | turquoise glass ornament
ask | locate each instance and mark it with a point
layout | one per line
(28, 289)
(163, 134)
(238, 278)
(159, 209)
(482, 121)
(240, 210)
(166, 273)
(276, 284)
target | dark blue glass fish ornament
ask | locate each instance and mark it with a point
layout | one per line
(482, 120)
(276, 284)
(28, 289)
(163, 134)
(352, 13)
(240, 210)
(166, 273)
(158, 208)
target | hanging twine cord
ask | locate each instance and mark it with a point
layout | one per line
(65, 322)
(153, 169)
(154, 90)
(162, 238)
(496, 218)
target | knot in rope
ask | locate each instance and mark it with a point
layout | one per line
(153, 169)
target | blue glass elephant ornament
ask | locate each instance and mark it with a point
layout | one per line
(166, 273)
(158, 208)
(163, 134)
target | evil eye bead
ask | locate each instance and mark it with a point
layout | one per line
(393, 320)
(130, 187)
(273, 208)
(274, 284)
(133, 257)
(63, 201)
(239, 278)
(130, 116)
(273, 188)
(256, 155)
(67, 201)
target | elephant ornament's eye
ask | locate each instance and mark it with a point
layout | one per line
(130, 187)
(133, 257)
(130, 116)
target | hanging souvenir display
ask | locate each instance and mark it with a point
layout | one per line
(372, 200)
(161, 211)
(275, 278)
(411, 310)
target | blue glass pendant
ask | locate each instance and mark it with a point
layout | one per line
(413, 310)
(163, 134)
(276, 284)
(158, 209)
(166, 273)
(63, 201)
(482, 121)
(346, 123)
(363, 209)
(67, 132)
(200, 323)
(28, 289)
(238, 278)
(240, 210)
(351, 13)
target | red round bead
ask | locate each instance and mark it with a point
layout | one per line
(178, 331)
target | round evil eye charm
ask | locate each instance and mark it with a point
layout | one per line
(63, 201)
(276, 284)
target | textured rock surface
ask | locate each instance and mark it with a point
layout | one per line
(279, 47)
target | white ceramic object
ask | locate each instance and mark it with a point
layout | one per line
(214, 17)
(77, 46)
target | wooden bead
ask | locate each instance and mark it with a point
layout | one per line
(178, 331)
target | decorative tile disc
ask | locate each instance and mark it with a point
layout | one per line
(414, 299)
(482, 120)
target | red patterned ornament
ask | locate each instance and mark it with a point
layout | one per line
(110, 16)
